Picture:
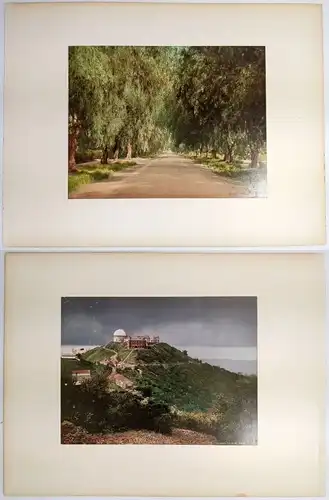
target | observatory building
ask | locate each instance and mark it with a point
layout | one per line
(119, 336)
(134, 342)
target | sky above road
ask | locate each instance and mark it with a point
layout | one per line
(220, 329)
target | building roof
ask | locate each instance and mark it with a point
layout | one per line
(119, 333)
(120, 378)
(82, 372)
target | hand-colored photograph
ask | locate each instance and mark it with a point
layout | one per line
(167, 122)
(159, 370)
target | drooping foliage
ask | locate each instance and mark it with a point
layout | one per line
(221, 100)
(126, 100)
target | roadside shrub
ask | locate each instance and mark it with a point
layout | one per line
(120, 165)
(76, 180)
(95, 173)
(89, 167)
(100, 174)
(227, 169)
(88, 175)
(218, 166)
(88, 155)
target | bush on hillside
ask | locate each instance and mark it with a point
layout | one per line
(237, 417)
(206, 423)
(95, 408)
(232, 420)
(171, 389)
(72, 434)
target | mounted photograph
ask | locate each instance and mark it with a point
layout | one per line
(167, 122)
(159, 370)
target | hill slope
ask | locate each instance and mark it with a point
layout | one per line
(173, 376)
(161, 390)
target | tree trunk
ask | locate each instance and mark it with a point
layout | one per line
(111, 153)
(214, 153)
(254, 158)
(228, 156)
(73, 146)
(116, 154)
(129, 150)
(115, 149)
(105, 155)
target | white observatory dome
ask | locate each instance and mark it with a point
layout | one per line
(119, 335)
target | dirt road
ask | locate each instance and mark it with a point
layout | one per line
(168, 176)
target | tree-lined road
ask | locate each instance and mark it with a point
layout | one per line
(168, 176)
(136, 102)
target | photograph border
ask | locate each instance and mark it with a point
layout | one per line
(183, 163)
(233, 249)
(158, 230)
(291, 333)
(234, 319)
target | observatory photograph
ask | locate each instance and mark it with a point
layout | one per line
(159, 370)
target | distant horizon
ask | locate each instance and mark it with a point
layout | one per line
(246, 365)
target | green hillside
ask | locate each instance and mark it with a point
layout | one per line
(186, 383)
(173, 376)
(162, 353)
(106, 352)
(98, 354)
(171, 390)
(68, 365)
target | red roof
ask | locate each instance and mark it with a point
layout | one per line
(119, 377)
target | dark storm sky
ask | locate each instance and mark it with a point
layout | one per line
(205, 321)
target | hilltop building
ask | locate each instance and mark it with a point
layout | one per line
(79, 376)
(134, 342)
(119, 336)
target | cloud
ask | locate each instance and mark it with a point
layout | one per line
(79, 328)
(204, 321)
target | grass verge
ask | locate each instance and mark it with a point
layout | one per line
(220, 167)
(95, 173)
